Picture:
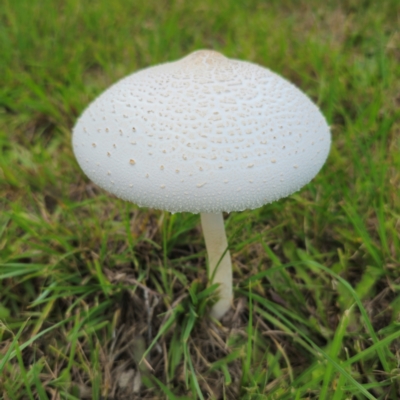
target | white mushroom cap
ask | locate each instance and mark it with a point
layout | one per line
(202, 134)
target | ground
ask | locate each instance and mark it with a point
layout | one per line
(103, 299)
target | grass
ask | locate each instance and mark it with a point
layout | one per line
(102, 299)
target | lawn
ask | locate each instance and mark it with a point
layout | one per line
(102, 299)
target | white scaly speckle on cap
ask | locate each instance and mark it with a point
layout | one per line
(202, 134)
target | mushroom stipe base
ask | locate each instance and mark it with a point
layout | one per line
(219, 260)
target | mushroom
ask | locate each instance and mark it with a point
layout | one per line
(204, 134)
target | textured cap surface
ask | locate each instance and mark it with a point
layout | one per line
(202, 134)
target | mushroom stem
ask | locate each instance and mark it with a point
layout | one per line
(219, 260)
